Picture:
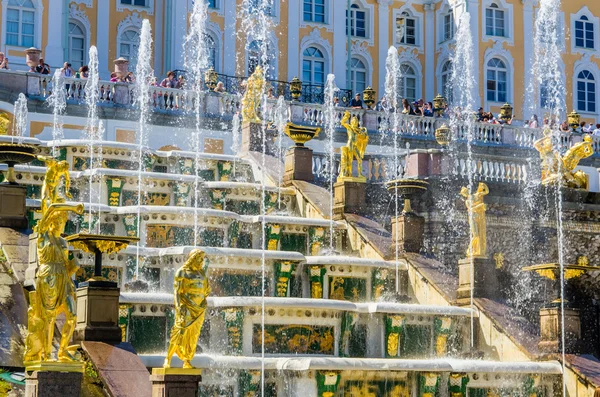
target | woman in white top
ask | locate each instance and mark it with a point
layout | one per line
(67, 71)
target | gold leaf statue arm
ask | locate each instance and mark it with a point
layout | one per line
(485, 190)
(345, 119)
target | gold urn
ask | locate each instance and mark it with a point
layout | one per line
(439, 104)
(506, 112)
(442, 135)
(574, 119)
(301, 134)
(296, 88)
(369, 97)
(211, 78)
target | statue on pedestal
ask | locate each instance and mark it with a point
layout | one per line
(54, 288)
(476, 212)
(355, 148)
(191, 290)
(252, 99)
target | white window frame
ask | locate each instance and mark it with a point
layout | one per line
(312, 13)
(37, 31)
(314, 59)
(441, 89)
(273, 50)
(353, 73)
(418, 80)
(593, 79)
(148, 8)
(498, 51)
(85, 42)
(369, 11)
(509, 29)
(215, 38)
(419, 21)
(586, 64)
(497, 71)
(274, 11)
(130, 43)
(584, 11)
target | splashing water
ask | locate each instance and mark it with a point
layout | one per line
(280, 120)
(58, 101)
(21, 115)
(196, 62)
(330, 118)
(462, 121)
(93, 132)
(143, 72)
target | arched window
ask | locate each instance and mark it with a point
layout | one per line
(409, 26)
(408, 85)
(129, 46)
(77, 45)
(497, 81)
(213, 50)
(495, 21)
(584, 33)
(445, 81)
(358, 75)
(255, 57)
(313, 67)
(357, 23)
(586, 92)
(20, 23)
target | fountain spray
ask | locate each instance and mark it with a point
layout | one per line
(21, 115)
(330, 119)
(58, 101)
(93, 133)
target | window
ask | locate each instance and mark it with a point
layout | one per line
(141, 3)
(494, 21)
(410, 29)
(544, 95)
(259, 6)
(584, 33)
(586, 92)
(128, 48)
(20, 26)
(448, 26)
(313, 67)
(357, 21)
(408, 85)
(212, 4)
(358, 75)
(446, 81)
(211, 46)
(314, 11)
(497, 81)
(77, 46)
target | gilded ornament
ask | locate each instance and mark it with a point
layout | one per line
(4, 123)
(499, 258)
(55, 170)
(252, 99)
(477, 224)
(355, 148)
(392, 344)
(191, 290)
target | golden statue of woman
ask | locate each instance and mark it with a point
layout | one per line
(355, 148)
(55, 170)
(54, 288)
(252, 99)
(191, 290)
(476, 208)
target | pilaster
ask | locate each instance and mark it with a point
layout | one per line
(104, 64)
(338, 63)
(294, 15)
(429, 51)
(473, 9)
(530, 97)
(229, 38)
(178, 30)
(54, 52)
(383, 40)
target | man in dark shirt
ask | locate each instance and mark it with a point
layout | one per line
(42, 68)
(356, 103)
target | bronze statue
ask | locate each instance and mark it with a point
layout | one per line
(253, 96)
(355, 148)
(54, 289)
(477, 224)
(191, 290)
(556, 168)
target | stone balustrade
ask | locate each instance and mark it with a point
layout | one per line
(177, 101)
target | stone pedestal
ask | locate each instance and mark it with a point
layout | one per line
(98, 314)
(551, 330)
(12, 206)
(298, 165)
(484, 277)
(175, 382)
(349, 196)
(252, 138)
(53, 383)
(407, 232)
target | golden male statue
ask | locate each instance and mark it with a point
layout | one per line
(251, 101)
(355, 148)
(55, 171)
(477, 224)
(191, 290)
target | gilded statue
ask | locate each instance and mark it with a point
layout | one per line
(476, 208)
(355, 147)
(55, 170)
(251, 101)
(561, 169)
(54, 289)
(4, 123)
(191, 290)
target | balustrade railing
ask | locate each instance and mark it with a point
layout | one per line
(492, 169)
(376, 168)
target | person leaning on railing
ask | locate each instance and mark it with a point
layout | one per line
(3, 61)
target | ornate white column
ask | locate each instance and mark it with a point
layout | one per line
(229, 38)
(429, 51)
(54, 52)
(383, 41)
(293, 51)
(338, 63)
(528, 49)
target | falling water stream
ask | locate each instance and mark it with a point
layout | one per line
(330, 118)
(143, 72)
(58, 101)
(280, 120)
(21, 115)
(93, 131)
